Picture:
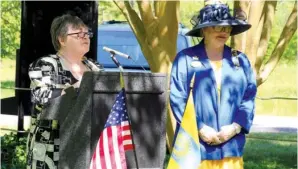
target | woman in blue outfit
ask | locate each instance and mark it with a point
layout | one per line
(224, 88)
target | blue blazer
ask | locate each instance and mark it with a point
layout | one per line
(237, 97)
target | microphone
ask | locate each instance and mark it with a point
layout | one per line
(115, 52)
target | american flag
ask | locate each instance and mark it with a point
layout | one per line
(115, 138)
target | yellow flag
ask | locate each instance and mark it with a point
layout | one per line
(186, 151)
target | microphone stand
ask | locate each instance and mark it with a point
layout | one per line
(116, 62)
(129, 121)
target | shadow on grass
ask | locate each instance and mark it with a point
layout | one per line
(268, 154)
(290, 137)
(7, 84)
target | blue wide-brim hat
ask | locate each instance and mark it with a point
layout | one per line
(219, 15)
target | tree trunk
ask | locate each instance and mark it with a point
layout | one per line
(239, 41)
(254, 18)
(254, 43)
(285, 37)
(269, 10)
(156, 32)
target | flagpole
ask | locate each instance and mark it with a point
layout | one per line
(132, 138)
(133, 143)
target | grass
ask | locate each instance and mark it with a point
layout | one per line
(290, 137)
(269, 154)
(281, 83)
(7, 77)
(265, 153)
(7, 70)
(5, 91)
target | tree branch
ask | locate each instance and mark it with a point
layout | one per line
(155, 5)
(168, 20)
(285, 37)
(269, 11)
(159, 7)
(257, 37)
(146, 12)
(133, 19)
(149, 21)
(255, 13)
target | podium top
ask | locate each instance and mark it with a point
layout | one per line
(135, 82)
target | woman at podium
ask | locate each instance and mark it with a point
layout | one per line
(50, 76)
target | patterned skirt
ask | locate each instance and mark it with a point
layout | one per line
(43, 144)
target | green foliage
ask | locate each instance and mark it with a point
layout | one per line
(290, 54)
(188, 9)
(10, 28)
(107, 10)
(13, 152)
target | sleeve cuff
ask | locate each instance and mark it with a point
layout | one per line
(245, 126)
(237, 127)
(200, 125)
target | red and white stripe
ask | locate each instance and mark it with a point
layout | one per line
(111, 147)
(126, 135)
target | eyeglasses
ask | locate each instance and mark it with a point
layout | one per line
(82, 34)
(227, 29)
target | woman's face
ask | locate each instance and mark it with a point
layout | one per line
(77, 41)
(217, 35)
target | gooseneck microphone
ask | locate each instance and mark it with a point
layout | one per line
(115, 52)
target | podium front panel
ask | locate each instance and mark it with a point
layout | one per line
(146, 103)
(82, 117)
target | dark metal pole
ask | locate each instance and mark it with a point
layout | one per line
(18, 94)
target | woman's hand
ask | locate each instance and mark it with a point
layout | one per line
(209, 135)
(228, 131)
(76, 85)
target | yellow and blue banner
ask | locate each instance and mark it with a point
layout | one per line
(186, 150)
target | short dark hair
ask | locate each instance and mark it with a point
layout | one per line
(60, 25)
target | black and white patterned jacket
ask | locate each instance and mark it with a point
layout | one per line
(49, 77)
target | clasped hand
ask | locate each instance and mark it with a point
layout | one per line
(210, 136)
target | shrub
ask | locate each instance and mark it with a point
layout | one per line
(13, 151)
